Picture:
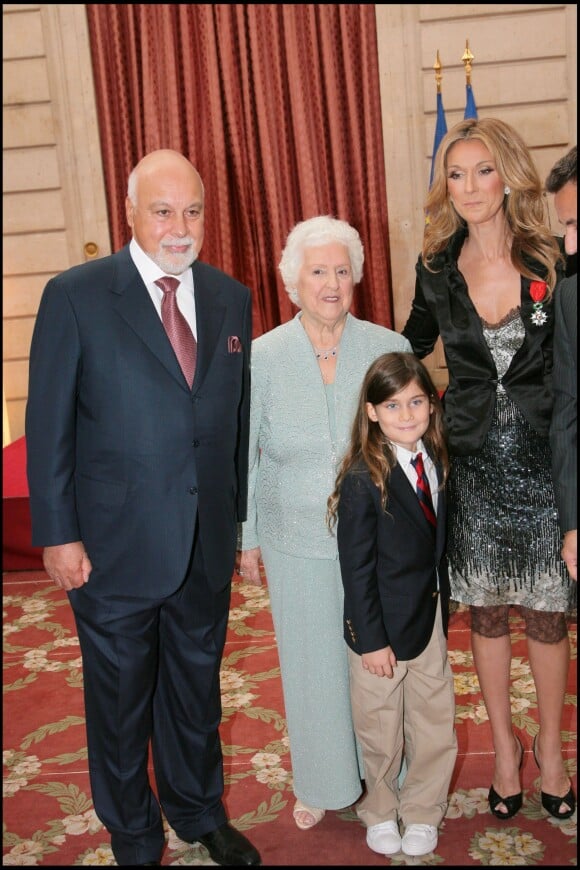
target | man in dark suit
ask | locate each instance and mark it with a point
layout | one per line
(563, 183)
(137, 481)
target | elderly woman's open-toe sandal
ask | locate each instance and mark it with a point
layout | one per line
(307, 817)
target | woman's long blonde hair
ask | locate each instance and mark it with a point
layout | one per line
(525, 206)
(386, 376)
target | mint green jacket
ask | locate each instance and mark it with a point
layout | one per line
(293, 458)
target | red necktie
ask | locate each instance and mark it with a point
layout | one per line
(177, 328)
(424, 490)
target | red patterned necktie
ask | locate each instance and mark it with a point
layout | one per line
(177, 328)
(424, 490)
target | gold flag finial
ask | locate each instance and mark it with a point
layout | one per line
(467, 57)
(437, 67)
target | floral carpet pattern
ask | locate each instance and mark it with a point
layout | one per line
(48, 817)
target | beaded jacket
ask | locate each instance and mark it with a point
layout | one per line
(293, 456)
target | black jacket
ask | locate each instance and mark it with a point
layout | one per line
(442, 307)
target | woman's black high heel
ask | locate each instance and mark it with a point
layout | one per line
(551, 802)
(514, 802)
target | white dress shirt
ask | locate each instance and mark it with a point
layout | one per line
(404, 457)
(150, 272)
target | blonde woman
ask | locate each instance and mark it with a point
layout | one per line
(485, 280)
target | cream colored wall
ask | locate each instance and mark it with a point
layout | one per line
(53, 190)
(524, 71)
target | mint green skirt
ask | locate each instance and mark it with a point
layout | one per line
(306, 598)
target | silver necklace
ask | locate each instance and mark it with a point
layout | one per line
(326, 354)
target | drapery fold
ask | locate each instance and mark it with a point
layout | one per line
(278, 107)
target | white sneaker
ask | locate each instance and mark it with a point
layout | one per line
(384, 838)
(419, 839)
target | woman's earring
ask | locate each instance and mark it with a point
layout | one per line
(507, 190)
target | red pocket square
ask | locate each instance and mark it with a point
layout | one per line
(234, 344)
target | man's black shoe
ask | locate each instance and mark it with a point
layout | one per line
(228, 847)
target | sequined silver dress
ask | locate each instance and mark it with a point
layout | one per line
(504, 538)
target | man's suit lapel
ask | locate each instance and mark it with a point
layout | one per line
(134, 305)
(209, 314)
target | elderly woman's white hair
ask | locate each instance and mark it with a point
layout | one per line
(321, 230)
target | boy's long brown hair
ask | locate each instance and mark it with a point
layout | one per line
(388, 375)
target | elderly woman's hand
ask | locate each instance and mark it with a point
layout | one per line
(249, 567)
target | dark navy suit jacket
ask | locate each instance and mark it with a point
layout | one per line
(121, 453)
(390, 562)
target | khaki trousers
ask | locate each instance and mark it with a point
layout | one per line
(412, 713)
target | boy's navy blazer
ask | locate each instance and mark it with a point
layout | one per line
(393, 567)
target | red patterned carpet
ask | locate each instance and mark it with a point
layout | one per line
(48, 816)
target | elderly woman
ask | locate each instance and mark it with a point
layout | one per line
(306, 375)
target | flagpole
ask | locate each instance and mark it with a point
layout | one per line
(438, 76)
(440, 122)
(467, 57)
(470, 107)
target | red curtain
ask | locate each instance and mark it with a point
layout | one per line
(278, 107)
